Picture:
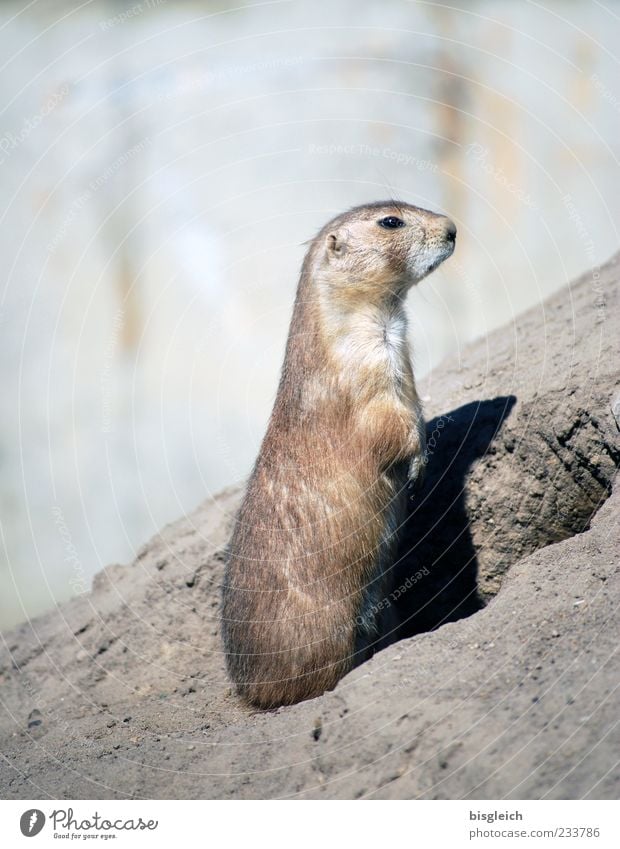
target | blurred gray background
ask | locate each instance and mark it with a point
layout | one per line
(162, 164)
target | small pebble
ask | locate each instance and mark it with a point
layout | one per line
(35, 719)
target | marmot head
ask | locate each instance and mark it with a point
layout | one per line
(382, 248)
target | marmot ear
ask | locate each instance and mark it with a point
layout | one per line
(336, 245)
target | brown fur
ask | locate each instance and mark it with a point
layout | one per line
(320, 513)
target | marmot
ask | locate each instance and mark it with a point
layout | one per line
(317, 526)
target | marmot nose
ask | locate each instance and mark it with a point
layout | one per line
(451, 231)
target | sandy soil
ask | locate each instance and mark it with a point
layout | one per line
(504, 682)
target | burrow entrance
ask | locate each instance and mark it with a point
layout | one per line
(498, 486)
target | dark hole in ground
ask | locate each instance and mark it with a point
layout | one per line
(436, 556)
(546, 488)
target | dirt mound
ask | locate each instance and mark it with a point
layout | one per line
(512, 547)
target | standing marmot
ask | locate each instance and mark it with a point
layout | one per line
(323, 507)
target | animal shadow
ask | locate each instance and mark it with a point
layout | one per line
(434, 576)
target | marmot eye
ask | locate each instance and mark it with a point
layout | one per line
(391, 222)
